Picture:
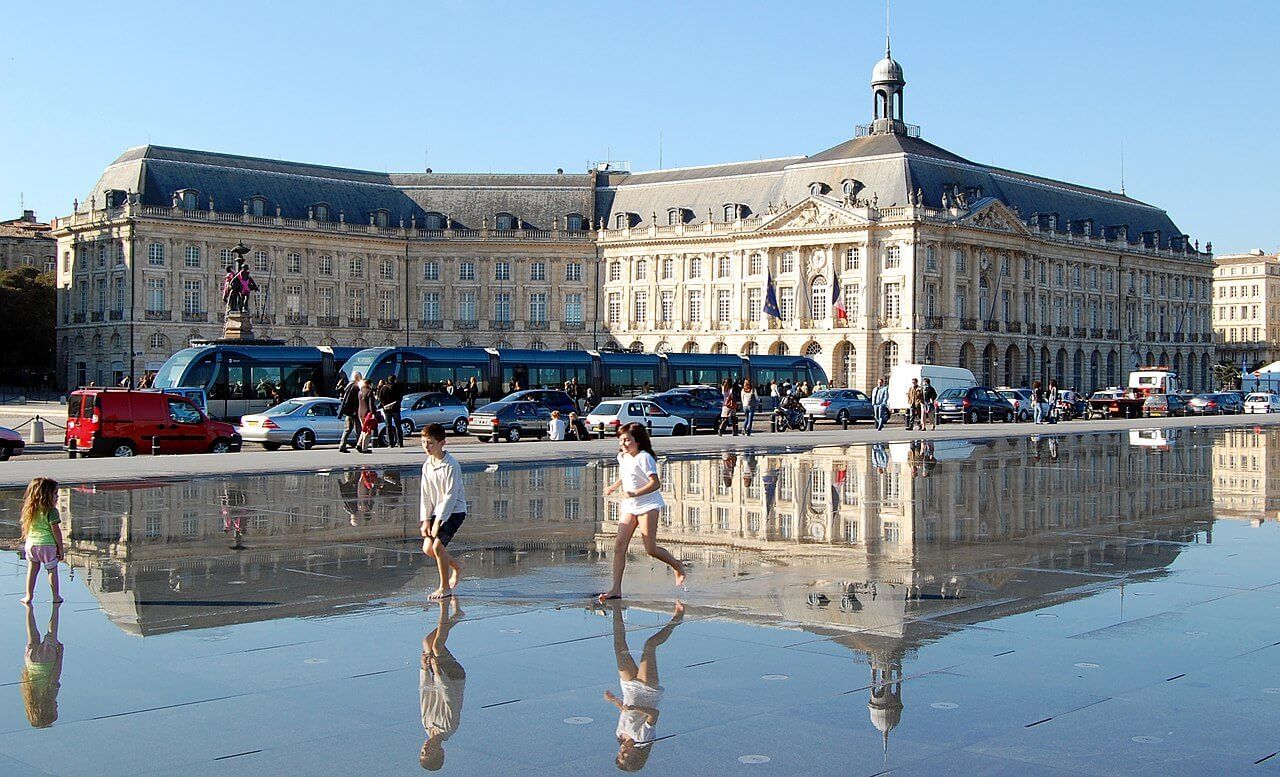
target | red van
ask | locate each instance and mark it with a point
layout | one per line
(124, 422)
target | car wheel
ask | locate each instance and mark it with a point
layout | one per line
(1008, 417)
(1023, 417)
(122, 450)
(5, 453)
(304, 440)
(271, 446)
(680, 430)
(460, 425)
(842, 417)
(971, 417)
(220, 445)
(513, 434)
(406, 429)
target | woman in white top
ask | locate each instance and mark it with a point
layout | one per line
(639, 483)
(558, 426)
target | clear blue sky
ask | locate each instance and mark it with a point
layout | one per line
(1049, 88)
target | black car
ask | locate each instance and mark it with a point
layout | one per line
(972, 405)
(700, 414)
(551, 398)
(510, 421)
(1224, 403)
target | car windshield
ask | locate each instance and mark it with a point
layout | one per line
(493, 408)
(1009, 394)
(284, 408)
(953, 393)
(823, 394)
(1256, 398)
(607, 408)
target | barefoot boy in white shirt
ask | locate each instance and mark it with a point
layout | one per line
(443, 508)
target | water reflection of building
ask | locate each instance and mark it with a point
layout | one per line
(1246, 475)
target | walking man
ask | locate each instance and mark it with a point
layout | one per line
(930, 416)
(880, 403)
(915, 402)
(349, 409)
(1052, 399)
(389, 398)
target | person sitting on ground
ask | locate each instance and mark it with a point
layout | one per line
(558, 426)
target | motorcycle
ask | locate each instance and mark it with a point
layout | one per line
(789, 415)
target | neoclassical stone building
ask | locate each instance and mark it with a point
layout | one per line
(938, 259)
(1246, 308)
(25, 242)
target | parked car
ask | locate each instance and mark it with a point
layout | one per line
(1262, 402)
(303, 423)
(11, 443)
(125, 422)
(712, 395)
(552, 398)
(941, 378)
(701, 415)
(608, 416)
(1022, 400)
(1100, 403)
(1215, 404)
(1166, 405)
(424, 408)
(510, 421)
(838, 405)
(971, 405)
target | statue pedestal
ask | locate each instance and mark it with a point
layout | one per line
(237, 327)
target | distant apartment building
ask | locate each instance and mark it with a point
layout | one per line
(1246, 308)
(26, 242)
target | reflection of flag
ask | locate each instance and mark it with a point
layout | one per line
(771, 299)
(838, 310)
(837, 485)
(770, 481)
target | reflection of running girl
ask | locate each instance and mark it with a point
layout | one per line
(641, 693)
(42, 671)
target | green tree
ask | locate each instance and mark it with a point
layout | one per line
(1227, 376)
(28, 311)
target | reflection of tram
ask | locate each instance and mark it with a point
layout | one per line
(242, 379)
(609, 374)
(1157, 439)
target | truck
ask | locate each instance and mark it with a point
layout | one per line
(1143, 382)
(941, 378)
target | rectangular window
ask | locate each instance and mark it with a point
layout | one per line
(467, 307)
(387, 270)
(892, 300)
(788, 262)
(756, 264)
(192, 296)
(754, 305)
(640, 307)
(695, 268)
(293, 263)
(961, 261)
(355, 267)
(100, 297)
(502, 306)
(615, 309)
(723, 305)
(502, 271)
(852, 258)
(466, 271)
(192, 258)
(892, 257)
(538, 307)
(667, 306)
(615, 271)
(431, 270)
(930, 258)
(1006, 304)
(853, 299)
(931, 300)
(538, 271)
(102, 254)
(787, 303)
(355, 303)
(723, 267)
(430, 306)
(695, 306)
(326, 265)
(119, 283)
(293, 300)
(962, 303)
(325, 299)
(261, 262)
(573, 309)
(386, 304)
(155, 255)
(641, 270)
(155, 294)
(573, 271)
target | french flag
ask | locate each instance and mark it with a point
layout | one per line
(838, 310)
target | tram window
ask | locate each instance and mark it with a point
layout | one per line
(463, 375)
(436, 377)
(296, 377)
(625, 381)
(230, 383)
(513, 375)
(266, 382)
(199, 375)
(549, 377)
(414, 378)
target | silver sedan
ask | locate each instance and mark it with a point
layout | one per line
(424, 408)
(303, 423)
(838, 405)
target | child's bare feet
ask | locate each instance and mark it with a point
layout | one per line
(607, 595)
(680, 576)
(57, 600)
(455, 574)
(440, 593)
(26, 600)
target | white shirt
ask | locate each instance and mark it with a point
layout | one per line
(634, 472)
(442, 493)
(441, 700)
(558, 428)
(634, 723)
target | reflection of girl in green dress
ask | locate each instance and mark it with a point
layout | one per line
(42, 671)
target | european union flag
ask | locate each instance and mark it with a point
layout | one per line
(771, 299)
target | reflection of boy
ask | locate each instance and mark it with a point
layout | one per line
(440, 688)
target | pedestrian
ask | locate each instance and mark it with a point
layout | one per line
(124, 382)
(308, 389)
(915, 398)
(448, 386)
(558, 427)
(389, 398)
(340, 385)
(1052, 399)
(807, 390)
(473, 393)
(774, 393)
(368, 419)
(880, 404)
(442, 507)
(578, 427)
(930, 406)
(441, 684)
(348, 407)
(1037, 399)
(728, 408)
(750, 404)
(641, 489)
(42, 535)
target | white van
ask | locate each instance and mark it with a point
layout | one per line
(941, 378)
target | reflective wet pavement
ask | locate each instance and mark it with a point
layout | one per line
(1088, 604)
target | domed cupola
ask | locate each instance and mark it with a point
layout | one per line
(886, 89)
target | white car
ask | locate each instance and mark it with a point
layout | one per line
(608, 416)
(1260, 402)
(1022, 400)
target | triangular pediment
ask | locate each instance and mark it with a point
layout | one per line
(993, 214)
(814, 212)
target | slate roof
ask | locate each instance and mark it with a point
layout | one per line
(156, 172)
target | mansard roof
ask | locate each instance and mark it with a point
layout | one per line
(157, 172)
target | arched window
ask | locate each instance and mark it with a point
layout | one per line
(573, 345)
(466, 342)
(812, 349)
(966, 356)
(819, 300)
(931, 353)
(296, 342)
(189, 199)
(636, 347)
(320, 211)
(538, 345)
(642, 270)
(780, 349)
(751, 348)
(719, 348)
(1095, 372)
(573, 222)
(380, 218)
(258, 205)
(501, 344)
(989, 365)
(158, 342)
(433, 220)
(662, 347)
(505, 221)
(847, 360)
(690, 347)
(889, 360)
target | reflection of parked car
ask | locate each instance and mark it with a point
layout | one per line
(1262, 402)
(510, 421)
(303, 423)
(422, 409)
(124, 422)
(553, 399)
(11, 443)
(1215, 404)
(838, 405)
(608, 416)
(700, 414)
(972, 405)
(1166, 405)
(1021, 399)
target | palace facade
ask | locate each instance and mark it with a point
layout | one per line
(1246, 309)
(936, 258)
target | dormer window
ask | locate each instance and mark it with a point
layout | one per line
(505, 221)
(818, 187)
(380, 218)
(573, 222)
(188, 199)
(258, 205)
(850, 186)
(320, 211)
(435, 220)
(734, 211)
(676, 216)
(621, 221)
